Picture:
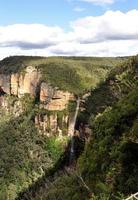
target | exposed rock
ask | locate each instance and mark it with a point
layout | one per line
(46, 92)
(54, 99)
(65, 119)
(5, 83)
(29, 81)
(47, 124)
(14, 84)
(53, 122)
(19, 84)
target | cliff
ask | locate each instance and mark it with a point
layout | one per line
(40, 99)
(53, 84)
(49, 98)
(108, 167)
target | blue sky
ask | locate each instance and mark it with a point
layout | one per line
(55, 12)
(66, 19)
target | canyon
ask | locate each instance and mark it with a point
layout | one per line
(68, 128)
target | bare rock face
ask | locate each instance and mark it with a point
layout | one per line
(53, 123)
(60, 100)
(46, 92)
(47, 125)
(51, 99)
(21, 83)
(29, 81)
(54, 99)
(5, 83)
(14, 84)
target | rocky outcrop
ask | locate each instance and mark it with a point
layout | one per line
(54, 99)
(49, 125)
(29, 81)
(15, 84)
(46, 93)
(51, 99)
(5, 83)
(21, 83)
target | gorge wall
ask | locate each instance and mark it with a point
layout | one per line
(51, 102)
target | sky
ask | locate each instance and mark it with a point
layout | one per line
(68, 27)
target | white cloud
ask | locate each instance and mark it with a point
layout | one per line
(30, 36)
(113, 25)
(112, 34)
(100, 2)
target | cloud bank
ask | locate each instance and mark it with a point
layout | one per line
(112, 34)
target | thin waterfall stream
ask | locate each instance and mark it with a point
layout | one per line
(71, 131)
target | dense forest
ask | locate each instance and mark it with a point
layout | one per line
(34, 166)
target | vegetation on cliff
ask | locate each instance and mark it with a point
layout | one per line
(25, 154)
(108, 168)
(120, 81)
(76, 75)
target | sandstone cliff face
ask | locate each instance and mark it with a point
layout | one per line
(54, 99)
(51, 99)
(5, 83)
(14, 84)
(25, 83)
(19, 84)
(49, 125)
(46, 92)
(28, 82)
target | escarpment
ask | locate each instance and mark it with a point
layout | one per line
(20, 83)
(53, 83)
(45, 100)
(53, 103)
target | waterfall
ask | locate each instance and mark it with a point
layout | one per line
(71, 131)
(73, 119)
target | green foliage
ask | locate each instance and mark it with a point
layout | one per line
(55, 147)
(61, 76)
(104, 156)
(19, 153)
(76, 75)
(11, 99)
(120, 81)
(108, 166)
(71, 106)
(27, 103)
(25, 155)
(64, 187)
(14, 64)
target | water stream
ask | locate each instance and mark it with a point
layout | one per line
(73, 119)
(71, 132)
